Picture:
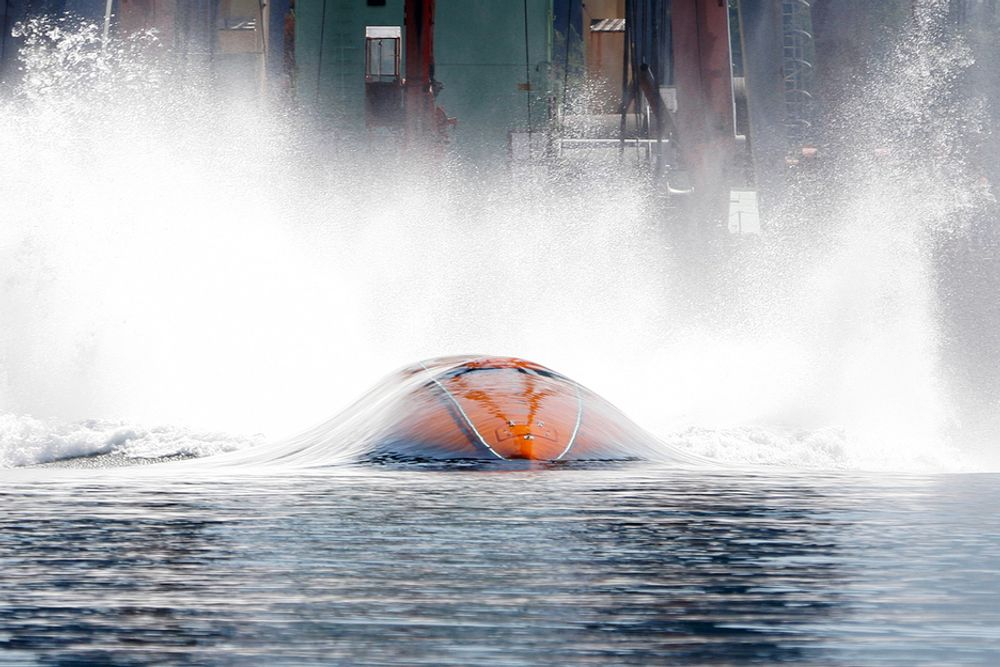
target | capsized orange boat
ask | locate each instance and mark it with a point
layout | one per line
(502, 408)
(473, 408)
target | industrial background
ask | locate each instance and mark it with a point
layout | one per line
(717, 101)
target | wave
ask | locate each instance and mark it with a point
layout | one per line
(28, 441)
(831, 448)
(456, 412)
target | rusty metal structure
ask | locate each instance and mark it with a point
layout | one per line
(703, 96)
(705, 109)
(426, 122)
(677, 70)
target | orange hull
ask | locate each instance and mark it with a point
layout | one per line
(502, 408)
(472, 409)
(499, 408)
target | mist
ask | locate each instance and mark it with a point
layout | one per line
(168, 257)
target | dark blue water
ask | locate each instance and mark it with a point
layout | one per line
(626, 565)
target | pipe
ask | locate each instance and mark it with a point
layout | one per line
(647, 83)
(527, 69)
(319, 56)
(107, 22)
(662, 118)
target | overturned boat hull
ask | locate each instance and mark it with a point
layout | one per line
(473, 408)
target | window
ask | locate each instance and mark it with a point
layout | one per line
(238, 14)
(382, 47)
(238, 25)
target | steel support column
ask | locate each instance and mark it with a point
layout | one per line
(704, 119)
(762, 40)
(419, 96)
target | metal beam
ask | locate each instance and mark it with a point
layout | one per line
(761, 35)
(419, 100)
(705, 112)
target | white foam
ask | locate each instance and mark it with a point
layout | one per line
(821, 449)
(25, 440)
(225, 270)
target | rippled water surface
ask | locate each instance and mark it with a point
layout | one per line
(625, 565)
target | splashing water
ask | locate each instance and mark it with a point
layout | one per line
(170, 257)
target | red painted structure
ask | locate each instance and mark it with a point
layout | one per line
(424, 119)
(705, 110)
